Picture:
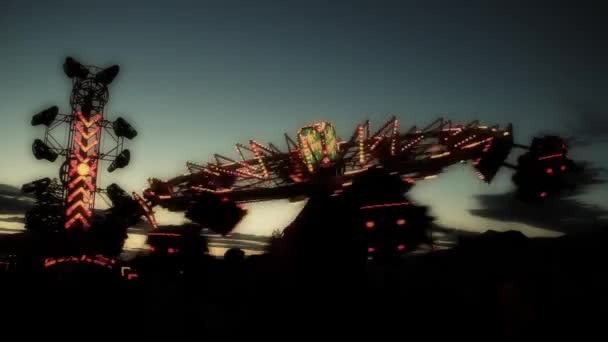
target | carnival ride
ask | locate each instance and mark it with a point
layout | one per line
(318, 158)
(67, 204)
(316, 162)
(264, 172)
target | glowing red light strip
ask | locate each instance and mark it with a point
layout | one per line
(385, 205)
(258, 155)
(78, 216)
(247, 173)
(88, 123)
(207, 170)
(246, 165)
(361, 145)
(412, 142)
(86, 148)
(267, 149)
(471, 145)
(244, 161)
(236, 172)
(376, 143)
(81, 155)
(557, 155)
(84, 193)
(147, 212)
(75, 181)
(80, 204)
(86, 135)
(85, 180)
(99, 260)
(73, 168)
(395, 135)
(440, 155)
(82, 159)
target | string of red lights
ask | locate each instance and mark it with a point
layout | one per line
(83, 171)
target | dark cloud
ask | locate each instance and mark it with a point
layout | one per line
(12, 201)
(592, 124)
(9, 190)
(584, 176)
(588, 126)
(566, 214)
(14, 205)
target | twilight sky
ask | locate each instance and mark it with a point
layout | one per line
(198, 76)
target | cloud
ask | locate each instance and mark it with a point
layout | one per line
(12, 201)
(587, 127)
(9, 190)
(14, 205)
(566, 214)
(592, 124)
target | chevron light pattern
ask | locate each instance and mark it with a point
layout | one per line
(82, 171)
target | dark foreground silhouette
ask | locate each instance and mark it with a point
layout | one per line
(496, 286)
(316, 281)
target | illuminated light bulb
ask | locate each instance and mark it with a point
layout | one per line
(370, 224)
(549, 171)
(542, 194)
(361, 146)
(563, 168)
(83, 169)
(371, 249)
(170, 250)
(401, 247)
(394, 140)
(401, 222)
(225, 199)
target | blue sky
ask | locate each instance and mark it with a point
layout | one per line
(199, 76)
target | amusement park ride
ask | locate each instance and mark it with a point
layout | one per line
(317, 155)
(75, 197)
(264, 172)
(209, 193)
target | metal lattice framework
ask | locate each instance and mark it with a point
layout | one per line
(87, 101)
(82, 152)
(262, 172)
